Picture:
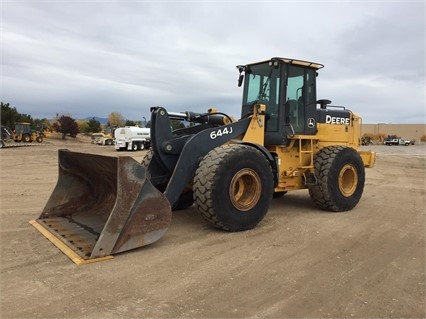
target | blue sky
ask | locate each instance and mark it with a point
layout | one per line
(91, 58)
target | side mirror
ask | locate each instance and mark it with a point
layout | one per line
(241, 69)
(240, 79)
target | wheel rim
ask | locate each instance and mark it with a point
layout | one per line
(348, 180)
(245, 189)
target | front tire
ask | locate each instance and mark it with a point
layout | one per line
(233, 187)
(186, 199)
(26, 138)
(340, 177)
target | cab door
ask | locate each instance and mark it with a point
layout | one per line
(300, 103)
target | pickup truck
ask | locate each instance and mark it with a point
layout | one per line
(396, 141)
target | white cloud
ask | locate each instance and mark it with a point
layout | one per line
(93, 58)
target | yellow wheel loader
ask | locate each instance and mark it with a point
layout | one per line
(229, 169)
(102, 138)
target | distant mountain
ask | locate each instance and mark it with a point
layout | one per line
(102, 120)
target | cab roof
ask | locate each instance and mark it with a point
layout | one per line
(313, 65)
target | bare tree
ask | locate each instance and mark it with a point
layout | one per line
(115, 119)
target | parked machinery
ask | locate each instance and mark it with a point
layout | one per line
(230, 170)
(24, 133)
(102, 138)
(6, 136)
(132, 138)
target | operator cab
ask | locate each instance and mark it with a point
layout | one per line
(288, 89)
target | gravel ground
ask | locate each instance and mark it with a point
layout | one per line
(298, 262)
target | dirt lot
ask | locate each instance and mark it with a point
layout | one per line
(299, 262)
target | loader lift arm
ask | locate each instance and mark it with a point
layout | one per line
(176, 154)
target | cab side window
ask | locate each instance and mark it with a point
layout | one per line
(295, 98)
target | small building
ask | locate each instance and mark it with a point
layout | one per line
(412, 132)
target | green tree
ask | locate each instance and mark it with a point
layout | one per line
(176, 124)
(83, 126)
(66, 125)
(94, 126)
(40, 124)
(133, 123)
(10, 116)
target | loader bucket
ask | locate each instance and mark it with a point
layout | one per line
(101, 206)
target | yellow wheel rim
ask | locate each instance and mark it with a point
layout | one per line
(348, 180)
(245, 189)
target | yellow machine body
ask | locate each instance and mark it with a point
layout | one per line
(230, 170)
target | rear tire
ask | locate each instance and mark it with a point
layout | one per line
(233, 187)
(340, 177)
(134, 146)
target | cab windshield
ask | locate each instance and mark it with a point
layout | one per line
(262, 85)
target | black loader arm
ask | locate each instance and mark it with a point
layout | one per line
(176, 154)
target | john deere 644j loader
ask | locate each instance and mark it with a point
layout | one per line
(230, 170)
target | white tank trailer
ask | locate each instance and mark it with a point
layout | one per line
(132, 138)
